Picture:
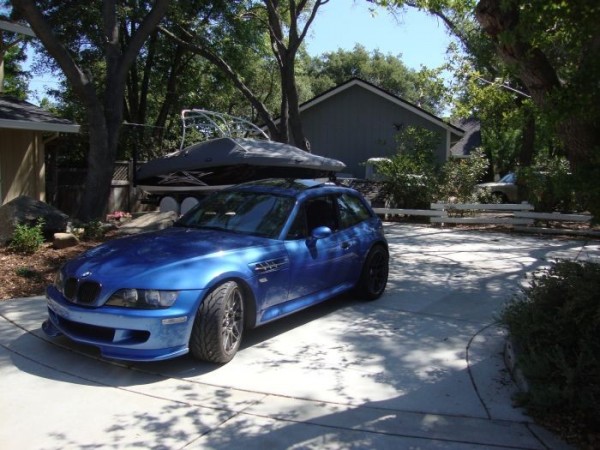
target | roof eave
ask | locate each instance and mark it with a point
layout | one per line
(39, 126)
(16, 28)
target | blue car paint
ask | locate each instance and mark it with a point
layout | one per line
(282, 276)
(138, 334)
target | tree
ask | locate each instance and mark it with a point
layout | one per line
(13, 80)
(168, 76)
(286, 25)
(300, 15)
(554, 48)
(73, 49)
(425, 87)
(224, 38)
(549, 49)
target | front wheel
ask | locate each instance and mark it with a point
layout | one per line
(374, 275)
(219, 324)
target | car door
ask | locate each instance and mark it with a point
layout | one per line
(318, 264)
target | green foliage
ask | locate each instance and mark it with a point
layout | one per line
(411, 175)
(15, 78)
(26, 272)
(549, 185)
(424, 87)
(92, 231)
(460, 176)
(27, 239)
(414, 180)
(555, 322)
(587, 189)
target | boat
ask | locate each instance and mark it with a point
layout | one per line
(230, 150)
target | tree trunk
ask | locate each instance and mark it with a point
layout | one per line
(293, 106)
(100, 164)
(285, 50)
(528, 139)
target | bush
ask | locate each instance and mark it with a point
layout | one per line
(26, 272)
(460, 177)
(588, 189)
(27, 239)
(555, 322)
(92, 230)
(549, 185)
(410, 175)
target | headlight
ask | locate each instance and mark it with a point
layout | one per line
(59, 281)
(142, 298)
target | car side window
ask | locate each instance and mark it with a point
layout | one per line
(298, 230)
(321, 212)
(352, 210)
(315, 212)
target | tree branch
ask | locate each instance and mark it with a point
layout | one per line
(226, 68)
(80, 81)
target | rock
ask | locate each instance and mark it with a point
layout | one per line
(64, 240)
(26, 211)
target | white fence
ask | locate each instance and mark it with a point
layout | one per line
(520, 216)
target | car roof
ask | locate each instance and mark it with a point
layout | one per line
(290, 187)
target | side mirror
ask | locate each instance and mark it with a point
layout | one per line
(321, 232)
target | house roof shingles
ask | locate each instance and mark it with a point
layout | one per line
(471, 139)
(19, 114)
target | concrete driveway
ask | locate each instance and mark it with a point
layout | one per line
(419, 368)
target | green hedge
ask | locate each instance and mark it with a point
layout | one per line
(555, 323)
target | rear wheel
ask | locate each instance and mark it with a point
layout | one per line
(219, 324)
(374, 276)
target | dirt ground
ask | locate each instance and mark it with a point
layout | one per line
(28, 275)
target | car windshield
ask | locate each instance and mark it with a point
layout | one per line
(251, 213)
(508, 178)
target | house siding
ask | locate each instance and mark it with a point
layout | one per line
(22, 169)
(357, 124)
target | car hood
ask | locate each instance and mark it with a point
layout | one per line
(176, 258)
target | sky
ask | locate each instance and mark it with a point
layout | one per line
(419, 39)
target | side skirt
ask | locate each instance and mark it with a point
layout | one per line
(289, 307)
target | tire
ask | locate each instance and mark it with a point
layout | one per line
(374, 275)
(219, 324)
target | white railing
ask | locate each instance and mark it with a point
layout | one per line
(520, 216)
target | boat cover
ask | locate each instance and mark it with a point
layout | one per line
(240, 151)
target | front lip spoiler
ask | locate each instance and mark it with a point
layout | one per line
(50, 329)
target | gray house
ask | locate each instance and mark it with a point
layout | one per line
(357, 120)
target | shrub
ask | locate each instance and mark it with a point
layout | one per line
(549, 185)
(26, 272)
(27, 239)
(555, 322)
(460, 177)
(410, 175)
(588, 189)
(92, 230)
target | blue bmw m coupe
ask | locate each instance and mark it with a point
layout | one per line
(243, 257)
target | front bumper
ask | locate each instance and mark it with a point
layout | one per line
(122, 333)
